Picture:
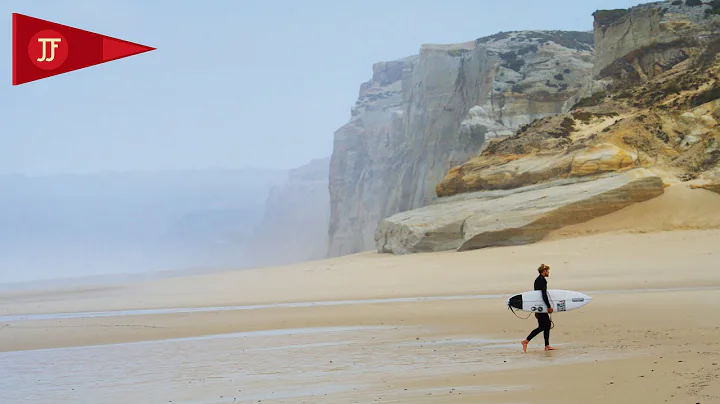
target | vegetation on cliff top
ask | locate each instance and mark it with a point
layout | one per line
(669, 118)
(457, 52)
(715, 8)
(671, 53)
(577, 40)
(608, 17)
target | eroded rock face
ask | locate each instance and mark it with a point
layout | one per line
(518, 216)
(712, 181)
(424, 114)
(670, 122)
(647, 40)
(713, 186)
(601, 158)
(495, 172)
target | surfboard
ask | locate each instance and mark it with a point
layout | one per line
(561, 300)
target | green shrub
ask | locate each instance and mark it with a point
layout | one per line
(457, 52)
(590, 101)
(607, 17)
(660, 134)
(693, 3)
(511, 61)
(495, 37)
(584, 117)
(582, 41)
(527, 49)
(624, 94)
(712, 94)
(671, 87)
(677, 2)
(567, 126)
(559, 77)
(715, 10)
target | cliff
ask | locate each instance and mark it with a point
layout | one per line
(657, 115)
(423, 114)
(295, 222)
(645, 39)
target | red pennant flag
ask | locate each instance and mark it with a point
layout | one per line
(42, 49)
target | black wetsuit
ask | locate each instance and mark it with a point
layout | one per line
(542, 318)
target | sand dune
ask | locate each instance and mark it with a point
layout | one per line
(680, 208)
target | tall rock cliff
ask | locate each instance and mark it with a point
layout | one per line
(297, 213)
(655, 123)
(423, 114)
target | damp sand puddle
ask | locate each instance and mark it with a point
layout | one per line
(313, 365)
(183, 310)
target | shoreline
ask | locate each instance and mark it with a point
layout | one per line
(594, 262)
(422, 328)
(407, 299)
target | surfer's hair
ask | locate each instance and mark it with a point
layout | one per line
(542, 267)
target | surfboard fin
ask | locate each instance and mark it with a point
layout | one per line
(516, 302)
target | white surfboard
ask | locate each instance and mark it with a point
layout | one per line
(560, 300)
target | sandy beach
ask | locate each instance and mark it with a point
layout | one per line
(369, 328)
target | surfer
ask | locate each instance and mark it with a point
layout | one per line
(542, 318)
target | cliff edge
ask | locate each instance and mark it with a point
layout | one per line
(656, 117)
(420, 115)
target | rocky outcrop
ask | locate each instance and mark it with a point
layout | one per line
(419, 116)
(647, 40)
(712, 181)
(592, 145)
(670, 122)
(562, 146)
(519, 216)
(656, 107)
(295, 223)
(713, 186)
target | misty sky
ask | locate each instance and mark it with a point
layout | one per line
(233, 83)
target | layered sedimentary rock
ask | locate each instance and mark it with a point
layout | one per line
(583, 143)
(657, 106)
(665, 116)
(712, 181)
(297, 213)
(645, 40)
(424, 114)
(519, 216)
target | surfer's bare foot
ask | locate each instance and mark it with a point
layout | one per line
(549, 348)
(525, 344)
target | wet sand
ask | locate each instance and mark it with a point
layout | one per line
(368, 328)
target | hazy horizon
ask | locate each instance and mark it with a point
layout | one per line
(96, 224)
(165, 160)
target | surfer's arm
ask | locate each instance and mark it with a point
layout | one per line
(545, 297)
(543, 290)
